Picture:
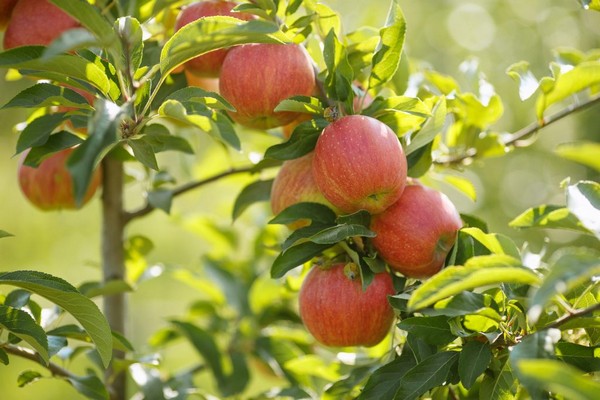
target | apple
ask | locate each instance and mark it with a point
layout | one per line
(416, 233)
(210, 84)
(359, 164)
(36, 22)
(50, 186)
(256, 77)
(6, 7)
(209, 64)
(294, 184)
(338, 313)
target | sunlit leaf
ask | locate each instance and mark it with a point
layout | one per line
(528, 83)
(583, 200)
(591, 4)
(196, 94)
(302, 104)
(585, 153)
(478, 271)
(462, 184)
(494, 242)
(22, 325)
(27, 377)
(338, 81)
(431, 128)
(548, 216)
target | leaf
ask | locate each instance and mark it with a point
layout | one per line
(583, 357)
(17, 298)
(111, 287)
(591, 4)
(500, 386)
(560, 379)
(303, 141)
(494, 242)
(550, 217)
(90, 17)
(161, 140)
(143, 152)
(56, 142)
(385, 381)
(211, 33)
(69, 41)
(4, 234)
(432, 330)
(131, 34)
(339, 71)
(568, 267)
(466, 303)
(462, 184)
(38, 131)
(161, 199)
(46, 94)
(4, 357)
(22, 325)
(197, 95)
(583, 152)
(102, 136)
(431, 128)
(295, 256)
(583, 200)
(67, 297)
(431, 372)
(253, 193)
(341, 232)
(528, 83)
(55, 344)
(316, 212)
(27, 377)
(90, 386)
(64, 65)
(478, 271)
(473, 361)
(301, 104)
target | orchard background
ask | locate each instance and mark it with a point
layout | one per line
(194, 266)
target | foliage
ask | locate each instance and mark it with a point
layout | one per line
(497, 322)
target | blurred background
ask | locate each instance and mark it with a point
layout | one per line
(442, 34)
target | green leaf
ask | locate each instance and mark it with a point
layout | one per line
(387, 57)
(431, 128)
(338, 81)
(478, 271)
(528, 83)
(102, 136)
(46, 94)
(55, 344)
(462, 184)
(494, 242)
(56, 142)
(143, 152)
(197, 95)
(253, 193)
(69, 41)
(130, 34)
(90, 386)
(22, 325)
(385, 381)
(161, 199)
(591, 4)
(4, 234)
(161, 140)
(361, 217)
(533, 346)
(17, 298)
(67, 297)
(316, 212)
(499, 386)
(64, 65)
(4, 357)
(27, 377)
(301, 104)
(568, 267)
(585, 153)
(111, 287)
(465, 303)
(211, 33)
(303, 141)
(295, 256)
(583, 200)
(550, 217)
(432, 330)
(37, 132)
(335, 234)
(560, 379)
(473, 361)
(91, 18)
(431, 372)
(583, 357)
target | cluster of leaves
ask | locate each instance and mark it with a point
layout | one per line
(495, 323)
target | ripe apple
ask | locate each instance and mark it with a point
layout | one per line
(294, 184)
(338, 313)
(6, 7)
(209, 64)
(359, 164)
(36, 22)
(210, 84)
(50, 186)
(416, 233)
(256, 77)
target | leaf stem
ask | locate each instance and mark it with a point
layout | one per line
(28, 354)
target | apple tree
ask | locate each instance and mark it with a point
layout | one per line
(355, 276)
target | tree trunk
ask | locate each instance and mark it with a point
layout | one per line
(113, 263)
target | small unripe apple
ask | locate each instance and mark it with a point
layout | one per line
(36, 22)
(209, 64)
(256, 77)
(50, 185)
(294, 184)
(338, 313)
(416, 233)
(6, 8)
(360, 164)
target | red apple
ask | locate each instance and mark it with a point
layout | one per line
(416, 233)
(209, 64)
(36, 22)
(294, 184)
(338, 313)
(50, 186)
(359, 164)
(255, 78)
(6, 7)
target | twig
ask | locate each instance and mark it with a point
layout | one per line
(523, 132)
(190, 186)
(575, 314)
(28, 354)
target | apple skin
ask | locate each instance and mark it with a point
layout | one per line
(294, 184)
(50, 186)
(416, 233)
(209, 64)
(256, 77)
(338, 313)
(6, 8)
(36, 22)
(360, 164)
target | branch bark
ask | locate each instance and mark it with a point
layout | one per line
(31, 355)
(569, 316)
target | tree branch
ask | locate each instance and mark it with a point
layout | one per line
(523, 132)
(148, 208)
(569, 316)
(28, 354)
